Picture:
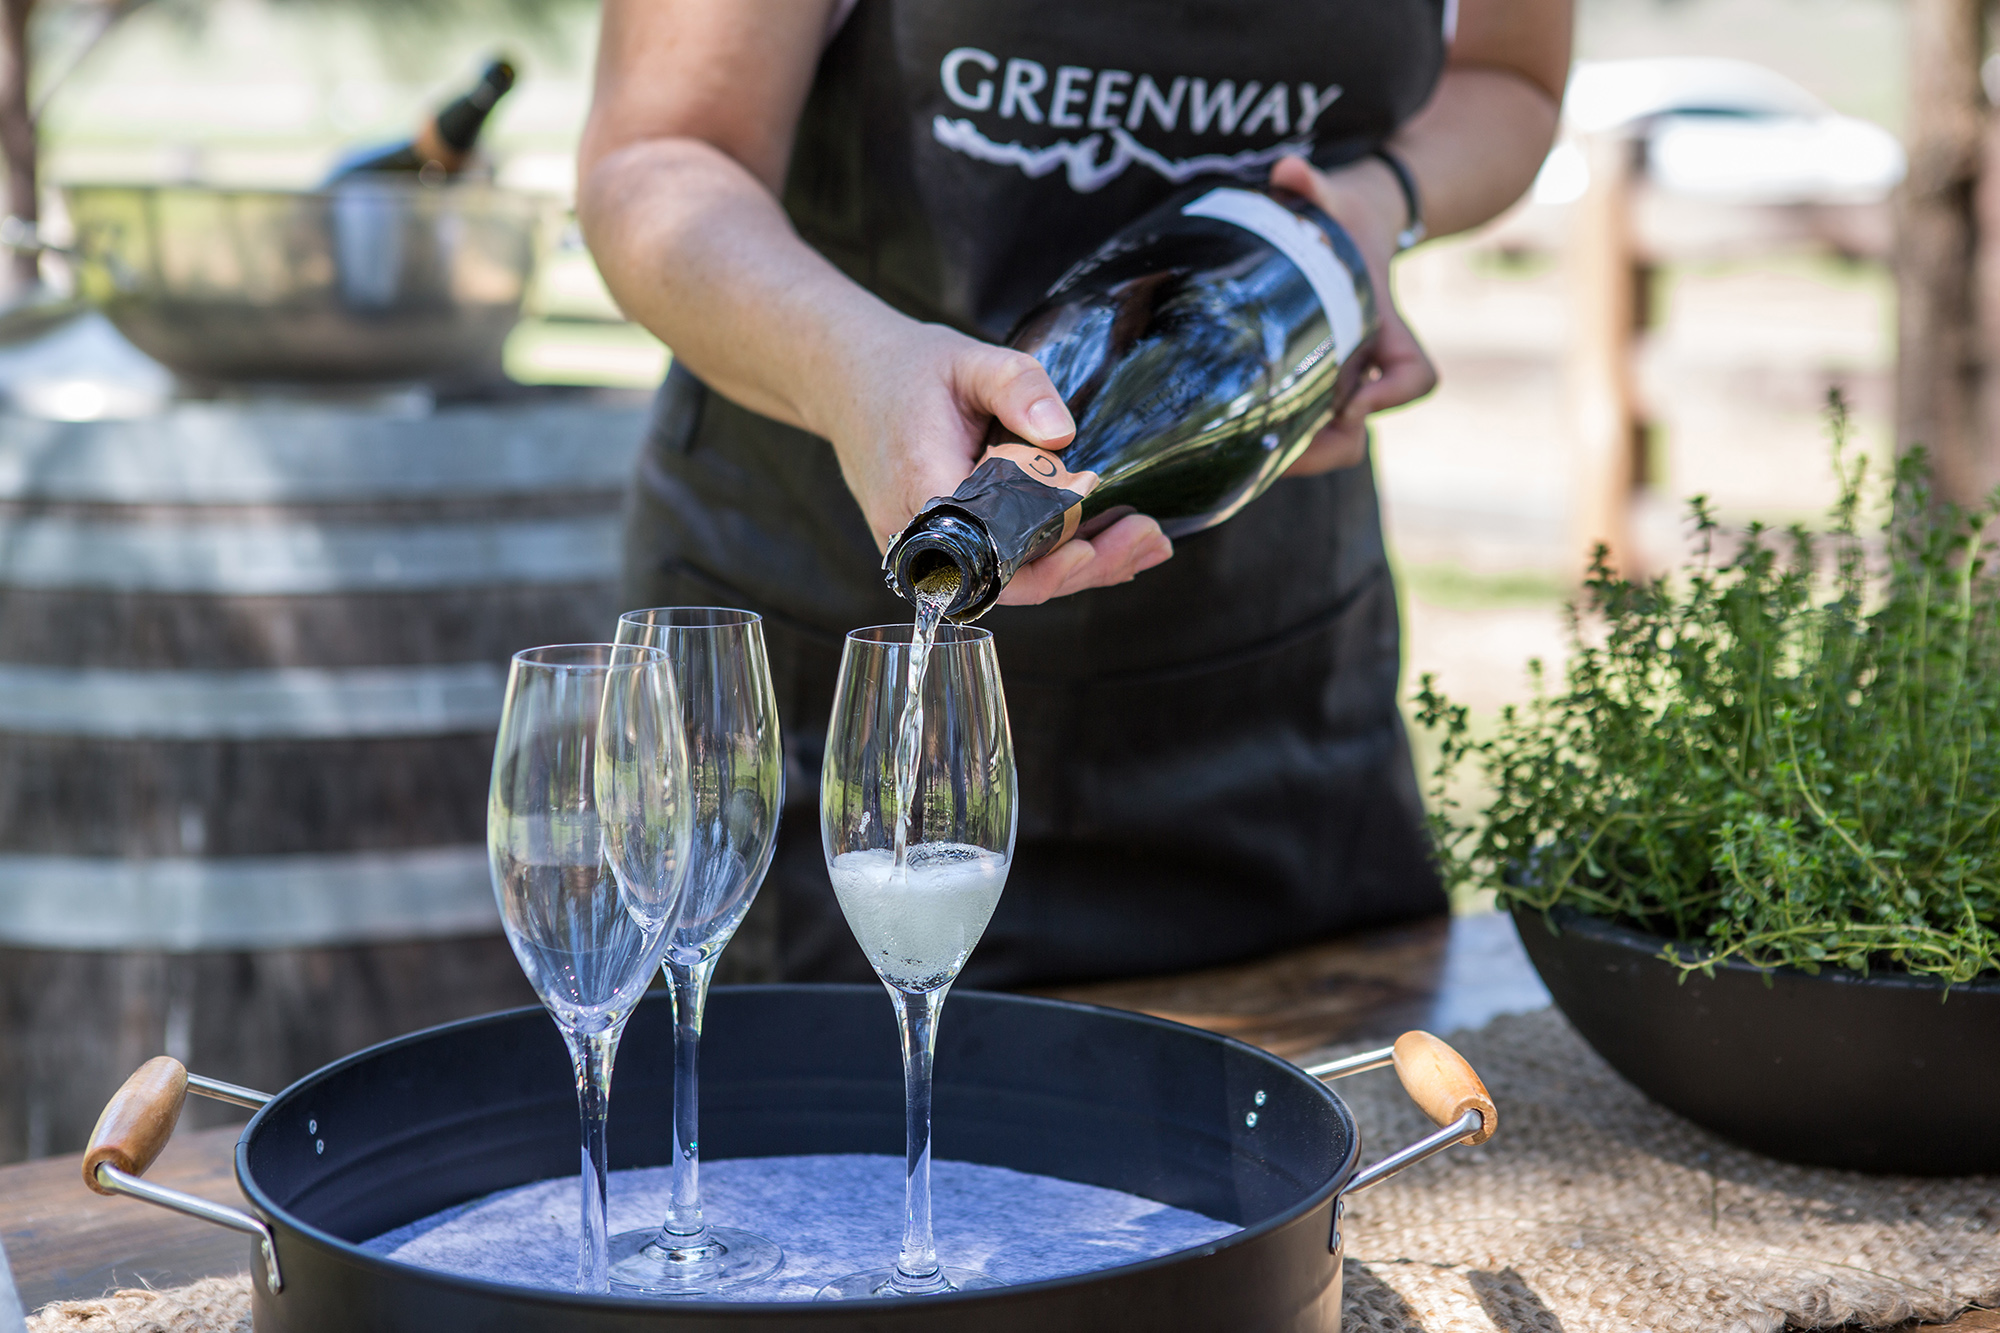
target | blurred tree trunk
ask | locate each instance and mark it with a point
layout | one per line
(1941, 359)
(17, 126)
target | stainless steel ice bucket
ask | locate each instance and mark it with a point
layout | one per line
(376, 280)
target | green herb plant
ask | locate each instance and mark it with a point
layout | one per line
(1789, 756)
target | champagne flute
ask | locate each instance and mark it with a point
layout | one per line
(917, 917)
(587, 827)
(736, 769)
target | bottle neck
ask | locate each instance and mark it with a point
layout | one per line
(939, 536)
(459, 123)
(447, 139)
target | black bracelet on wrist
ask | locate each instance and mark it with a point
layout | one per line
(1412, 201)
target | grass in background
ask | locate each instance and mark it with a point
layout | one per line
(584, 352)
(1460, 589)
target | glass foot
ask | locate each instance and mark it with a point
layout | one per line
(641, 1265)
(886, 1283)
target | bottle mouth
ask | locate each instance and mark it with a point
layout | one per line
(927, 562)
(946, 541)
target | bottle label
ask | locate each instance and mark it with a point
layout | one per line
(1301, 241)
(1039, 497)
(1044, 465)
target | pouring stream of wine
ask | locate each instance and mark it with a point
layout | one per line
(935, 592)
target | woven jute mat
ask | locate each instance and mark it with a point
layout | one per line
(1592, 1211)
(212, 1305)
(1595, 1210)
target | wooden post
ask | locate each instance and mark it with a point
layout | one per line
(1986, 289)
(1941, 362)
(17, 130)
(1607, 311)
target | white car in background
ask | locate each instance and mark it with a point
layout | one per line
(1727, 131)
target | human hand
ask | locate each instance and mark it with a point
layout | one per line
(910, 424)
(1365, 199)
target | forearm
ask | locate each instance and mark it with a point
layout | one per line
(1476, 146)
(694, 247)
(679, 172)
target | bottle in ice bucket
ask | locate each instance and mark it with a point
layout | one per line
(1200, 349)
(443, 143)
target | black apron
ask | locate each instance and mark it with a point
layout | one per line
(1212, 764)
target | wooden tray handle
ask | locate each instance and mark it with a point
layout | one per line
(1440, 1081)
(137, 1121)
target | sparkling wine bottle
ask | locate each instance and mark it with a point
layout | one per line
(443, 144)
(1200, 349)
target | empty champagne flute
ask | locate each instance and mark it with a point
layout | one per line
(587, 825)
(736, 771)
(917, 915)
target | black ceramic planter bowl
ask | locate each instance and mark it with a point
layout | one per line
(1878, 1073)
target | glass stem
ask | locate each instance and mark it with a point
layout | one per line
(916, 1018)
(690, 987)
(592, 1053)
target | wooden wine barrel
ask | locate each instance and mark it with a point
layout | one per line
(251, 663)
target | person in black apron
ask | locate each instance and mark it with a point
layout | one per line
(828, 209)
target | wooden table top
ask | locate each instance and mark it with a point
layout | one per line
(66, 1242)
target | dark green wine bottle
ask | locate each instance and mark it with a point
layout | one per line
(1200, 350)
(443, 144)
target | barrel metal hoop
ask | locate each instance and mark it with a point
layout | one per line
(192, 904)
(259, 559)
(290, 703)
(307, 453)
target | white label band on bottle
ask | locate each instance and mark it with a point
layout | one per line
(1299, 241)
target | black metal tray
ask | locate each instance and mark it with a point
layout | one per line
(1199, 1121)
(1097, 1096)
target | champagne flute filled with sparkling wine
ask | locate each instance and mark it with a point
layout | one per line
(736, 767)
(587, 827)
(918, 858)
